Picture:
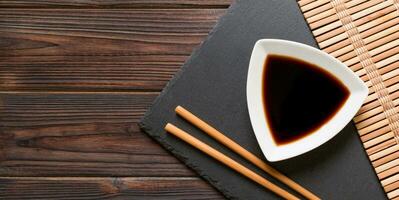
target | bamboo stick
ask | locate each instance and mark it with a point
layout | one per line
(393, 194)
(391, 187)
(388, 172)
(390, 180)
(317, 10)
(384, 152)
(377, 133)
(385, 159)
(387, 165)
(373, 127)
(314, 4)
(304, 2)
(390, 141)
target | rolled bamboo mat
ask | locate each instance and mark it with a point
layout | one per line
(364, 34)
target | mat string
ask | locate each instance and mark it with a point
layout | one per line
(396, 4)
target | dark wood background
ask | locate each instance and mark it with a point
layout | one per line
(75, 78)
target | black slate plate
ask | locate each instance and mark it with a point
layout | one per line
(212, 84)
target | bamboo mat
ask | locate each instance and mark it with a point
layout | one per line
(364, 35)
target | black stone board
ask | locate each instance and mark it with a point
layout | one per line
(212, 85)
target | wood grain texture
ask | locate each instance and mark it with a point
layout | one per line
(106, 188)
(75, 78)
(96, 49)
(85, 134)
(116, 3)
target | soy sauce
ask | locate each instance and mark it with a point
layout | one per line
(299, 97)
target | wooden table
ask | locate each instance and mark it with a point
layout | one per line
(75, 78)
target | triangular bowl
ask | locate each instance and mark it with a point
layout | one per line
(358, 93)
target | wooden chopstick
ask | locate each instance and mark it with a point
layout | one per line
(242, 152)
(228, 161)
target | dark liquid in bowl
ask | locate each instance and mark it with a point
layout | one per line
(299, 97)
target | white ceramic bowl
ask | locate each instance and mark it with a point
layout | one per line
(358, 93)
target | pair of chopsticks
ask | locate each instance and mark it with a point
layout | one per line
(239, 150)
